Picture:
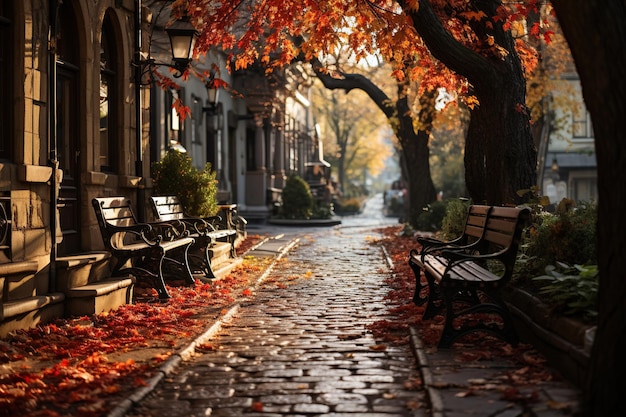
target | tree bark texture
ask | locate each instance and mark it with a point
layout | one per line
(596, 33)
(500, 157)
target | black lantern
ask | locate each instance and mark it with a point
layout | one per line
(182, 36)
(212, 93)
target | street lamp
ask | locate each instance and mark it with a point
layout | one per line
(212, 91)
(182, 37)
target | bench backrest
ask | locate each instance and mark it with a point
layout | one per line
(113, 211)
(475, 222)
(503, 232)
(167, 208)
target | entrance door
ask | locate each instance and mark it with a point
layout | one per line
(68, 152)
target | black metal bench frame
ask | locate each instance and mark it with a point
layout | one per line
(153, 250)
(468, 283)
(203, 230)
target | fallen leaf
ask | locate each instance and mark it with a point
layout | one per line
(413, 405)
(378, 348)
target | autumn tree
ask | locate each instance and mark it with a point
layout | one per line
(596, 34)
(470, 38)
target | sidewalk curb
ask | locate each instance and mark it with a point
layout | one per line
(434, 398)
(183, 354)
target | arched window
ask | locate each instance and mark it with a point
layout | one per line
(6, 80)
(108, 99)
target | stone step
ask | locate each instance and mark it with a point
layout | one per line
(219, 252)
(100, 296)
(29, 312)
(17, 280)
(81, 269)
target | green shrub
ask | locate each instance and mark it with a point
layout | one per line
(572, 290)
(297, 199)
(453, 223)
(196, 189)
(430, 219)
(349, 205)
(568, 236)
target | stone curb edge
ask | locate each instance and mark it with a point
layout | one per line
(434, 397)
(417, 347)
(183, 354)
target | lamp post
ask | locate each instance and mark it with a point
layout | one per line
(182, 36)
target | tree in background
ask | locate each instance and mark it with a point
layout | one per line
(465, 47)
(446, 149)
(351, 130)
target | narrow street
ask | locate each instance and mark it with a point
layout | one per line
(300, 346)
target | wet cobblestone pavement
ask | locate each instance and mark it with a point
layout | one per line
(300, 346)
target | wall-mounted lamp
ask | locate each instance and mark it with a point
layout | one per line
(555, 165)
(182, 37)
(212, 91)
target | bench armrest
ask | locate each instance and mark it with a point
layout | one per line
(457, 258)
(428, 242)
(142, 231)
(169, 229)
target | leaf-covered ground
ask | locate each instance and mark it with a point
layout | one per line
(84, 366)
(528, 366)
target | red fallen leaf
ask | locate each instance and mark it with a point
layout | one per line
(413, 405)
(515, 395)
(161, 357)
(247, 292)
(140, 382)
(257, 406)
(378, 348)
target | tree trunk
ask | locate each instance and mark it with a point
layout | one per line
(596, 34)
(500, 157)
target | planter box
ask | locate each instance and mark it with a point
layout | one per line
(562, 340)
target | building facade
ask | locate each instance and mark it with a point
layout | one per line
(75, 124)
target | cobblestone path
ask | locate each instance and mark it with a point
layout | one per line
(300, 346)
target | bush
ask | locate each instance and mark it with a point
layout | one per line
(297, 199)
(196, 190)
(349, 205)
(453, 223)
(568, 236)
(572, 290)
(431, 217)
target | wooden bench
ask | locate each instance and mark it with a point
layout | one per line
(470, 239)
(146, 250)
(471, 283)
(204, 231)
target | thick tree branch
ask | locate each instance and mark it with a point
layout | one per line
(445, 48)
(349, 82)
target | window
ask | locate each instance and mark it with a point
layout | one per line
(108, 99)
(6, 80)
(581, 123)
